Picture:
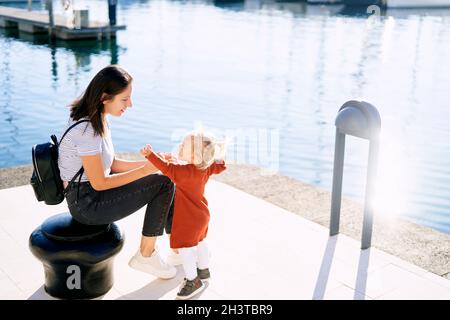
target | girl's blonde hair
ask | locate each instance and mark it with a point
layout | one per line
(206, 149)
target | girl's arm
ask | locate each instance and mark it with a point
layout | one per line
(217, 167)
(174, 171)
(120, 165)
(93, 166)
(171, 170)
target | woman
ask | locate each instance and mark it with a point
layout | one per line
(110, 189)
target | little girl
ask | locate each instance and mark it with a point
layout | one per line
(190, 173)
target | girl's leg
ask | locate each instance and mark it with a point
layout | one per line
(189, 257)
(202, 255)
(192, 283)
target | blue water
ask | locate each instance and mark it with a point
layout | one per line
(271, 74)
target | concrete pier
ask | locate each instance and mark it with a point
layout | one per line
(38, 22)
(264, 239)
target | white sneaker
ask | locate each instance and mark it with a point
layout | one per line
(174, 259)
(153, 265)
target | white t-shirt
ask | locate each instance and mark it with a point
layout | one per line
(81, 141)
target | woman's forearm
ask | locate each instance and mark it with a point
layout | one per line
(120, 165)
(120, 179)
(94, 169)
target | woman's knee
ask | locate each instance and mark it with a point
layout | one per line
(168, 184)
(156, 179)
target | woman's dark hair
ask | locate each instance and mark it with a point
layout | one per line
(110, 81)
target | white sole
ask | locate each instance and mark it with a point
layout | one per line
(150, 270)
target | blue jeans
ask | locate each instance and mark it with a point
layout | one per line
(92, 207)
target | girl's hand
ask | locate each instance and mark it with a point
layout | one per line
(146, 150)
(167, 156)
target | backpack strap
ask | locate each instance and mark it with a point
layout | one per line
(75, 124)
(80, 174)
(81, 171)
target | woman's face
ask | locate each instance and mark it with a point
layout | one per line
(119, 103)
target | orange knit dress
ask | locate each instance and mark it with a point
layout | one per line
(191, 214)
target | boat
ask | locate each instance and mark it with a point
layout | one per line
(324, 1)
(417, 3)
(400, 3)
(18, 1)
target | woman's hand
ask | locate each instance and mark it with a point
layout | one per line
(146, 150)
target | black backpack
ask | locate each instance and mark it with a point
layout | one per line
(46, 180)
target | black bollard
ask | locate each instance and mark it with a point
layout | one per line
(77, 258)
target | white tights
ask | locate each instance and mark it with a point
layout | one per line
(193, 258)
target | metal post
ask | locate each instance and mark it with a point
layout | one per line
(113, 49)
(359, 119)
(30, 5)
(112, 9)
(370, 188)
(338, 169)
(51, 20)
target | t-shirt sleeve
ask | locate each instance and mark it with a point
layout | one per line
(86, 142)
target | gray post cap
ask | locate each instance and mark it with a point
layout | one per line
(358, 118)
